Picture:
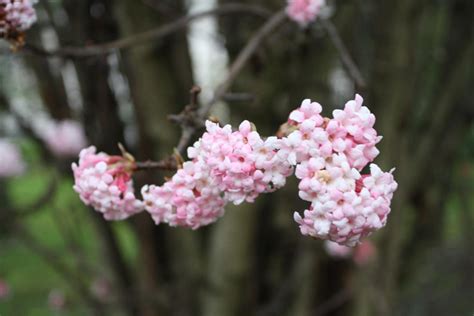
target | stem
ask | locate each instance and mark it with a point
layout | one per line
(344, 54)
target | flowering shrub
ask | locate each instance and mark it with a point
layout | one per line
(11, 161)
(327, 155)
(304, 12)
(16, 16)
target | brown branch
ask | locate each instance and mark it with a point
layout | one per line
(255, 42)
(344, 54)
(145, 37)
(192, 119)
(165, 164)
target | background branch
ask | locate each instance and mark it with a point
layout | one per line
(145, 37)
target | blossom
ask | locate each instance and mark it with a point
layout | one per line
(11, 161)
(241, 164)
(352, 132)
(329, 154)
(304, 11)
(104, 182)
(16, 16)
(346, 206)
(188, 199)
(225, 166)
(64, 138)
(307, 137)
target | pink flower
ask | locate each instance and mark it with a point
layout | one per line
(304, 11)
(64, 139)
(338, 251)
(16, 16)
(226, 166)
(351, 132)
(308, 137)
(345, 206)
(189, 199)
(104, 182)
(241, 164)
(329, 154)
(11, 161)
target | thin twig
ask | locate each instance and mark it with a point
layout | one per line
(272, 23)
(145, 37)
(166, 164)
(199, 116)
(344, 54)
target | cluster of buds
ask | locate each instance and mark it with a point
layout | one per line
(225, 166)
(229, 166)
(330, 153)
(16, 16)
(104, 182)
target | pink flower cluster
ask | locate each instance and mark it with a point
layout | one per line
(104, 182)
(16, 16)
(64, 138)
(304, 11)
(226, 166)
(11, 161)
(189, 199)
(235, 166)
(345, 205)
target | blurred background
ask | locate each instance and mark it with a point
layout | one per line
(411, 60)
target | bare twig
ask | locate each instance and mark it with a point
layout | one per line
(145, 37)
(344, 54)
(192, 119)
(165, 164)
(272, 23)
